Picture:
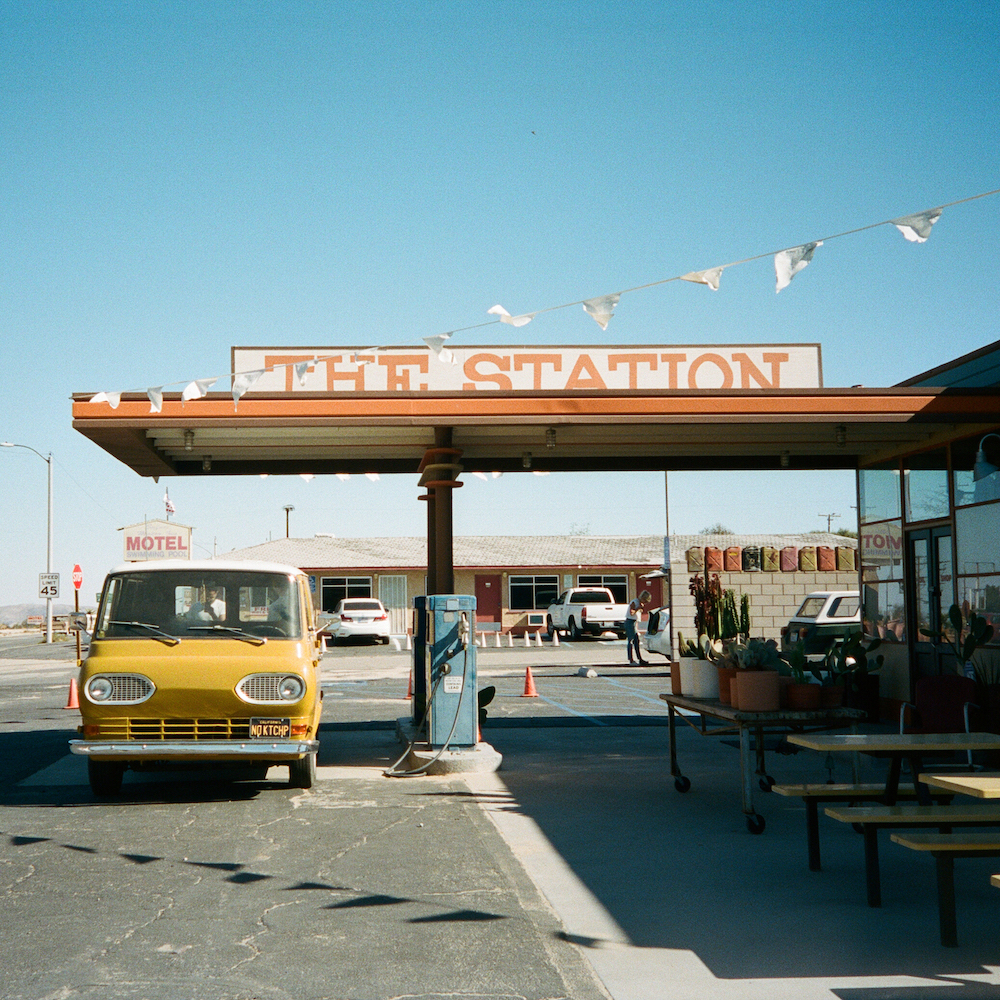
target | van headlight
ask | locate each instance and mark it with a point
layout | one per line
(100, 689)
(291, 688)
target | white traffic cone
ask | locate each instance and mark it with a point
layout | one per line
(555, 637)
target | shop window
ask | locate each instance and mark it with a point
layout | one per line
(617, 583)
(335, 588)
(878, 490)
(975, 462)
(925, 486)
(977, 542)
(881, 553)
(532, 593)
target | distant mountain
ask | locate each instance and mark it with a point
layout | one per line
(14, 614)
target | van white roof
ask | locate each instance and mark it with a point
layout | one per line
(206, 566)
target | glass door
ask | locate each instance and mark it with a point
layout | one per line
(931, 585)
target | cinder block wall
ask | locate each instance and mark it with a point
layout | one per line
(774, 597)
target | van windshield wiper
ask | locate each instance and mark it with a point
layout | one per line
(158, 633)
(236, 633)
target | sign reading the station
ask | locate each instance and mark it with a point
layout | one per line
(532, 368)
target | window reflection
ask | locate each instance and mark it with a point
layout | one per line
(925, 486)
(881, 554)
(976, 462)
(878, 491)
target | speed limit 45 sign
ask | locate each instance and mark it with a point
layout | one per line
(48, 584)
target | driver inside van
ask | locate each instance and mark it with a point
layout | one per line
(213, 607)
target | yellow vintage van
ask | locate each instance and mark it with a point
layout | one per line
(209, 663)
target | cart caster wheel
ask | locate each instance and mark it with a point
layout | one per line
(766, 783)
(755, 823)
(682, 784)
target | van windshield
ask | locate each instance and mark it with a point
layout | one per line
(199, 604)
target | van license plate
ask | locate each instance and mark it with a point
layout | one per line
(270, 729)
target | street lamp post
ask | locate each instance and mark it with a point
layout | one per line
(288, 509)
(48, 547)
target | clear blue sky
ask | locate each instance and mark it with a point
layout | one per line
(178, 177)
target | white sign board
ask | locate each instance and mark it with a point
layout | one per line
(48, 585)
(532, 368)
(156, 540)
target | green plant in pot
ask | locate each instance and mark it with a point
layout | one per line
(851, 664)
(802, 694)
(971, 632)
(757, 678)
(968, 633)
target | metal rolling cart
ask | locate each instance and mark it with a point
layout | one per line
(746, 725)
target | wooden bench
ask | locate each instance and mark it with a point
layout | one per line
(871, 819)
(813, 795)
(944, 848)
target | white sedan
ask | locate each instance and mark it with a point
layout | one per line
(359, 618)
(658, 638)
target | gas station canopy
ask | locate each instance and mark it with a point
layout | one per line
(614, 430)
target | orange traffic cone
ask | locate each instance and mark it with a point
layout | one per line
(409, 687)
(530, 690)
(73, 701)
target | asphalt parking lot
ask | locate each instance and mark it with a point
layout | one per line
(575, 871)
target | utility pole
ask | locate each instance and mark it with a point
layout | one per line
(829, 519)
(288, 509)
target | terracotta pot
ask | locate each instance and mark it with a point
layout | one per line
(726, 674)
(783, 682)
(758, 690)
(803, 697)
(831, 696)
(734, 693)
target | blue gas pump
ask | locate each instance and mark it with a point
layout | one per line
(444, 669)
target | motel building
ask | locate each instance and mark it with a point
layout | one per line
(926, 453)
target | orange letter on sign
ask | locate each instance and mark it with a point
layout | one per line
(288, 360)
(633, 361)
(749, 370)
(355, 375)
(535, 361)
(576, 381)
(472, 371)
(711, 359)
(673, 360)
(397, 375)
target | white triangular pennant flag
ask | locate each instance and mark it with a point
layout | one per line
(155, 394)
(307, 476)
(197, 389)
(300, 370)
(709, 277)
(436, 344)
(243, 382)
(111, 398)
(373, 476)
(481, 475)
(916, 228)
(505, 317)
(602, 309)
(788, 263)
(343, 476)
(496, 475)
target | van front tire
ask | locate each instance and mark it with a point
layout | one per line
(302, 772)
(105, 777)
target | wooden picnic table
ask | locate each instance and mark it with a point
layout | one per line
(982, 786)
(898, 747)
(747, 725)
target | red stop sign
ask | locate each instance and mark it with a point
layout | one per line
(77, 577)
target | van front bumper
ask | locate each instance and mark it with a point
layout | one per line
(193, 749)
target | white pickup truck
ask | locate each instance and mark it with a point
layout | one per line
(583, 611)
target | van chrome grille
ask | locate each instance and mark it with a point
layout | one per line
(175, 729)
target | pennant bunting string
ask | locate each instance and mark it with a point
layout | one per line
(915, 228)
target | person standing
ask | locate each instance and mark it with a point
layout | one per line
(635, 608)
